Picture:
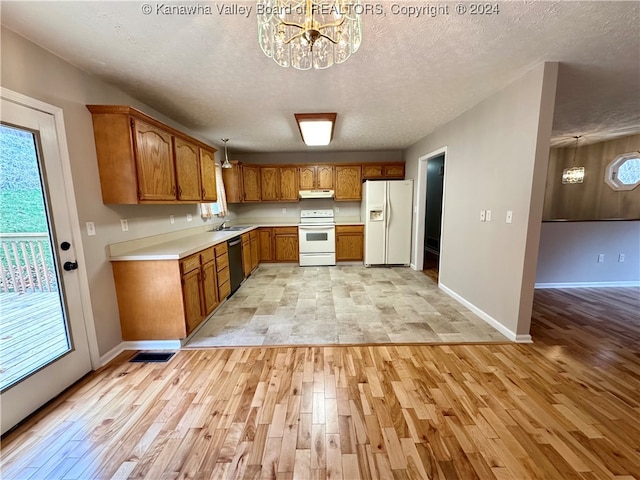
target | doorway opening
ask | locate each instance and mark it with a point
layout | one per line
(433, 217)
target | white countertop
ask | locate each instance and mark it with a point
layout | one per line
(180, 247)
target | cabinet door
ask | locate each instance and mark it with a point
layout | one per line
(209, 287)
(324, 177)
(154, 162)
(246, 255)
(307, 176)
(269, 181)
(251, 183)
(266, 244)
(208, 176)
(348, 182)
(187, 157)
(192, 299)
(349, 242)
(289, 184)
(232, 178)
(371, 171)
(255, 250)
(393, 171)
(286, 244)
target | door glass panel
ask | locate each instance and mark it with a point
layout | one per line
(33, 324)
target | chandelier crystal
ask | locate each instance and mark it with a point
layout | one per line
(306, 34)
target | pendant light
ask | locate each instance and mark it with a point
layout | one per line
(226, 163)
(573, 174)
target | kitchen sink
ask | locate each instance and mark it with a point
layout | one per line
(235, 228)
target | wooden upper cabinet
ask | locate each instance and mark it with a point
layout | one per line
(289, 184)
(141, 160)
(187, 157)
(307, 178)
(348, 182)
(324, 177)
(154, 162)
(270, 182)
(208, 175)
(316, 177)
(251, 183)
(232, 178)
(383, 171)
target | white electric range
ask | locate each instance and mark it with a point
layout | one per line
(317, 237)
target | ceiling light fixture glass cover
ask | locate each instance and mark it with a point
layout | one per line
(306, 34)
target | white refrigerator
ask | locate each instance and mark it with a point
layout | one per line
(387, 213)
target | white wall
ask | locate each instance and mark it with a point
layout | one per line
(32, 71)
(497, 154)
(569, 254)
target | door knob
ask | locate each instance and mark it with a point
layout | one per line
(68, 266)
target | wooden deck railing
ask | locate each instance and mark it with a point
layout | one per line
(26, 263)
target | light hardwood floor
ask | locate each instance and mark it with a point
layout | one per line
(565, 407)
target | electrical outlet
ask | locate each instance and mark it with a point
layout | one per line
(621, 258)
(284, 211)
(189, 217)
(337, 209)
(601, 258)
(488, 215)
(483, 215)
(91, 228)
(509, 216)
(124, 224)
(172, 219)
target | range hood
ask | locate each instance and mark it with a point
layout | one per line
(316, 193)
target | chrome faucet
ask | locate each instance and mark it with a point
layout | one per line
(221, 226)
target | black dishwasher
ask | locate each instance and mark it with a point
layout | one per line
(236, 274)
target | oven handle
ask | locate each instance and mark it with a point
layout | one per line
(307, 227)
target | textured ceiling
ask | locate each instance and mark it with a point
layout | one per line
(410, 75)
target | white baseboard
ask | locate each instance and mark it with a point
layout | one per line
(486, 317)
(139, 345)
(632, 283)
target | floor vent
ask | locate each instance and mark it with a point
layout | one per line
(150, 357)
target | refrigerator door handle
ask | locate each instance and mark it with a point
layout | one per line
(387, 223)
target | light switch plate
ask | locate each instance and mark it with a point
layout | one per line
(172, 219)
(483, 215)
(601, 258)
(488, 215)
(189, 217)
(91, 229)
(509, 216)
(621, 258)
(124, 224)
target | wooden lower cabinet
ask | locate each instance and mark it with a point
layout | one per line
(222, 269)
(278, 244)
(285, 243)
(265, 235)
(166, 299)
(349, 242)
(254, 240)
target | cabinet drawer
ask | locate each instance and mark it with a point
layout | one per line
(221, 248)
(349, 229)
(245, 238)
(222, 262)
(207, 255)
(253, 234)
(224, 290)
(190, 263)
(223, 275)
(285, 230)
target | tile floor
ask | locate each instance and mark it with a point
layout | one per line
(292, 305)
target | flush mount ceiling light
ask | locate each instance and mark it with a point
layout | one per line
(316, 128)
(226, 163)
(573, 174)
(306, 34)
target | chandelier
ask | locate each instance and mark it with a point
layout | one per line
(306, 34)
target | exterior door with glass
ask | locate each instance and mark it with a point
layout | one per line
(44, 346)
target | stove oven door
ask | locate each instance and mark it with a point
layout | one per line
(317, 244)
